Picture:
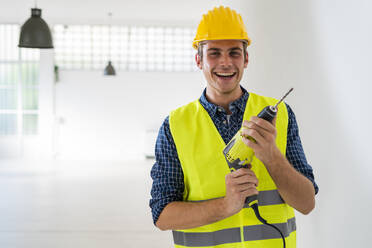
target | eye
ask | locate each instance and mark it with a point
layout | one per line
(214, 53)
(235, 54)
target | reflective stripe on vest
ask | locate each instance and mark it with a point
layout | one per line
(232, 235)
(268, 197)
(199, 147)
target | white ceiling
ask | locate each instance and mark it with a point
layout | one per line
(176, 12)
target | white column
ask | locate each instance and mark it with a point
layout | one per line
(46, 104)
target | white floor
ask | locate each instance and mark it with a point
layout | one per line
(77, 204)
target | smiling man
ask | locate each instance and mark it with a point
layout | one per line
(193, 192)
(222, 65)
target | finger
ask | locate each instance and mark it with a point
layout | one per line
(254, 184)
(245, 123)
(249, 192)
(268, 126)
(251, 125)
(245, 187)
(254, 134)
(242, 172)
(246, 179)
(246, 132)
(250, 143)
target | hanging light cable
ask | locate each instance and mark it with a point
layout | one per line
(109, 69)
(35, 32)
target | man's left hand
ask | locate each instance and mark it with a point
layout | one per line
(264, 133)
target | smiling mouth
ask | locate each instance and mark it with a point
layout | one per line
(225, 74)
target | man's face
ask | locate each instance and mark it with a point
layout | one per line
(223, 64)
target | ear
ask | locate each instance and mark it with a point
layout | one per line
(246, 59)
(198, 61)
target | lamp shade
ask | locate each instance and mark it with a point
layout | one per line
(35, 32)
(109, 70)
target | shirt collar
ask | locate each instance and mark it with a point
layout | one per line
(212, 108)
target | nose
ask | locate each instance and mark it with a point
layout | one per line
(225, 60)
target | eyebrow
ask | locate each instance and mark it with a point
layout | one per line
(230, 49)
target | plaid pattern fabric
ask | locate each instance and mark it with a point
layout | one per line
(167, 175)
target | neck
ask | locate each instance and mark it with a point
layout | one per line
(223, 99)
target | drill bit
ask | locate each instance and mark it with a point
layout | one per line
(276, 105)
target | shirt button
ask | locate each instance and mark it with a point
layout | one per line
(219, 110)
(224, 122)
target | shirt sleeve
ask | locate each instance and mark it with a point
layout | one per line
(166, 173)
(295, 153)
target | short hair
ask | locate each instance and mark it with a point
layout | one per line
(202, 43)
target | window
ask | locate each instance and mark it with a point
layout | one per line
(129, 48)
(18, 85)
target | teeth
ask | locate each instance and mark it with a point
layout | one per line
(225, 74)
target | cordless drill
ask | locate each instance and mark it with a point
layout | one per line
(239, 155)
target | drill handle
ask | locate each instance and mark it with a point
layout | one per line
(250, 200)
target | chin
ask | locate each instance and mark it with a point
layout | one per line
(226, 89)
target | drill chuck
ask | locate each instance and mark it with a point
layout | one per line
(268, 113)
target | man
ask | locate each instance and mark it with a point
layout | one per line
(193, 192)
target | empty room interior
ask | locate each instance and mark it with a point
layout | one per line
(86, 88)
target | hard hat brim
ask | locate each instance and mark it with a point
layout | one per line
(195, 43)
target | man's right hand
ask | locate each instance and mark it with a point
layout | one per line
(239, 185)
(184, 215)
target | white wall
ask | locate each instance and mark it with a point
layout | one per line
(107, 117)
(128, 12)
(322, 49)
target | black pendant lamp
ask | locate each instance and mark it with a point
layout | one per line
(35, 32)
(109, 69)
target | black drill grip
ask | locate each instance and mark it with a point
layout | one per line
(251, 198)
(268, 113)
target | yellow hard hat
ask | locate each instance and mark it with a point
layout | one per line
(221, 23)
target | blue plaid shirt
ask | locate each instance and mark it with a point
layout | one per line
(167, 175)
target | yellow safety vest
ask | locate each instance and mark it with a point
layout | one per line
(199, 146)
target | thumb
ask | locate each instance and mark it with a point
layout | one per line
(274, 121)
